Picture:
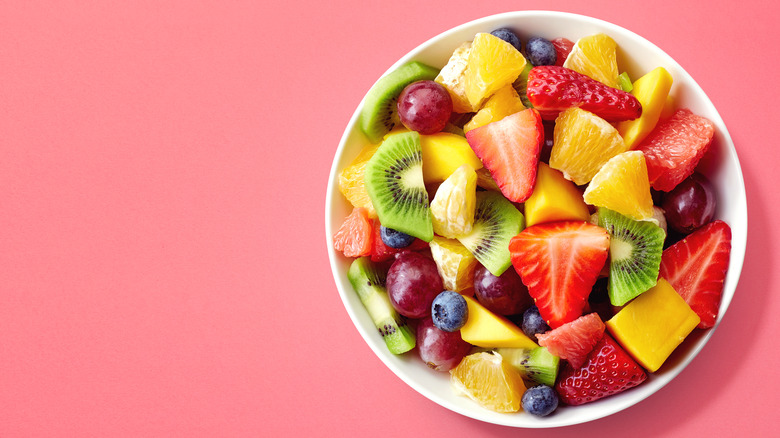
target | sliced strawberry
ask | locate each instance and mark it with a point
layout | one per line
(381, 252)
(696, 267)
(552, 89)
(559, 262)
(509, 149)
(673, 149)
(562, 49)
(608, 370)
(574, 340)
(355, 234)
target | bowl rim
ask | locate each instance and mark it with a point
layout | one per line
(618, 404)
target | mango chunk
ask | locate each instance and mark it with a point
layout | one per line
(443, 153)
(503, 103)
(488, 330)
(651, 91)
(651, 326)
(554, 198)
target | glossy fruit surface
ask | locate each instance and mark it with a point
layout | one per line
(487, 379)
(425, 107)
(395, 239)
(574, 340)
(690, 205)
(540, 51)
(504, 295)
(563, 47)
(412, 283)
(509, 36)
(493, 63)
(438, 349)
(449, 311)
(355, 236)
(595, 56)
(621, 185)
(533, 324)
(540, 400)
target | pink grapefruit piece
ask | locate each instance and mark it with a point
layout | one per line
(574, 340)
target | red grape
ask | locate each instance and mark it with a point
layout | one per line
(425, 107)
(412, 283)
(504, 295)
(440, 350)
(690, 205)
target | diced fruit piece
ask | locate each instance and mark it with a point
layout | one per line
(674, 148)
(356, 234)
(535, 364)
(696, 268)
(651, 91)
(379, 107)
(608, 370)
(486, 181)
(504, 102)
(583, 143)
(394, 181)
(563, 47)
(453, 78)
(449, 311)
(509, 36)
(533, 323)
(412, 283)
(455, 263)
(496, 221)
(425, 107)
(622, 185)
(486, 329)
(381, 252)
(443, 153)
(574, 340)
(554, 199)
(668, 109)
(625, 84)
(595, 56)
(438, 349)
(504, 294)
(492, 64)
(560, 262)
(653, 325)
(553, 89)
(690, 205)
(540, 400)
(521, 84)
(635, 249)
(452, 208)
(510, 148)
(351, 182)
(485, 378)
(369, 283)
(540, 51)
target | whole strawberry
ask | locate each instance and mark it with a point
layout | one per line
(552, 89)
(608, 370)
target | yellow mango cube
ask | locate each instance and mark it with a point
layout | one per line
(503, 103)
(485, 329)
(554, 198)
(652, 325)
(651, 90)
(443, 153)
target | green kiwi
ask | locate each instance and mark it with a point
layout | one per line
(635, 249)
(496, 221)
(394, 182)
(369, 283)
(521, 84)
(379, 108)
(536, 364)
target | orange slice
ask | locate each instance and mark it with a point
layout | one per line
(485, 378)
(351, 180)
(492, 64)
(595, 56)
(622, 185)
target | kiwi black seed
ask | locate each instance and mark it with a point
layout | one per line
(537, 364)
(394, 182)
(379, 113)
(635, 249)
(496, 221)
(368, 280)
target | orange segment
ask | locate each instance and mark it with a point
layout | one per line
(452, 208)
(351, 180)
(504, 102)
(453, 78)
(454, 262)
(595, 56)
(622, 185)
(492, 64)
(582, 143)
(490, 381)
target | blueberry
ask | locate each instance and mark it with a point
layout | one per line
(533, 323)
(540, 400)
(449, 311)
(540, 51)
(508, 36)
(395, 239)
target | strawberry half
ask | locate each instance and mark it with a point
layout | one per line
(509, 149)
(696, 267)
(608, 370)
(552, 89)
(559, 262)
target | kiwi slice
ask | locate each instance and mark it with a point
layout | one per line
(369, 283)
(536, 364)
(377, 117)
(496, 221)
(394, 182)
(521, 84)
(635, 249)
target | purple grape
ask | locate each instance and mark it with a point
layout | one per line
(690, 205)
(425, 107)
(440, 350)
(504, 295)
(412, 283)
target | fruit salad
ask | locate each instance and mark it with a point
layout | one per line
(530, 220)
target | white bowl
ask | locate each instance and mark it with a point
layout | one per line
(637, 56)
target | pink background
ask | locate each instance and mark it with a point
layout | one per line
(163, 268)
